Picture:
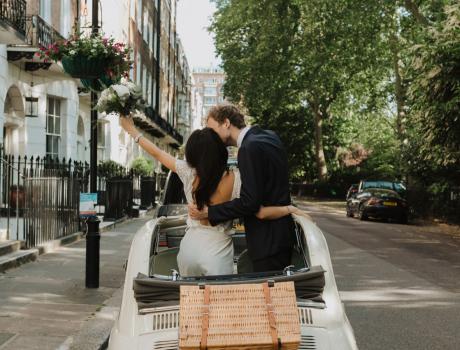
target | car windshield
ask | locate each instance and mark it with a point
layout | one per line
(381, 193)
(384, 184)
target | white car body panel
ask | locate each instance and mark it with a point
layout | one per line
(321, 328)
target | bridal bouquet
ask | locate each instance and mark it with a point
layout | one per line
(122, 98)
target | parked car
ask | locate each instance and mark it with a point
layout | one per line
(378, 203)
(352, 190)
(149, 314)
(383, 184)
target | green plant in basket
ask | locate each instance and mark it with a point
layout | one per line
(122, 98)
(90, 57)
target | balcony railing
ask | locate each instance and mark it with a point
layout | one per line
(13, 12)
(164, 125)
(40, 33)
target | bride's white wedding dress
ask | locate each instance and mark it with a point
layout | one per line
(205, 250)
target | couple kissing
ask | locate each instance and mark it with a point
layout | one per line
(258, 192)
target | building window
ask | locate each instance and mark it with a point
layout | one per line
(155, 43)
(144, 82)
(101, 139)
(138, 69)
(139, 15)
(209, 100)
(145, 28)
(154, 94)
(53, 127)
(66, 18)
(210, 91)
(45, 10)
(132, 9)
(149, 88)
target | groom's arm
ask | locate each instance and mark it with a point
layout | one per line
(251, 166)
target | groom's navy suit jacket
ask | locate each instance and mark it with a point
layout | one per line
(262, 161)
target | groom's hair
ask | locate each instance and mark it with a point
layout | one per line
(227, 111)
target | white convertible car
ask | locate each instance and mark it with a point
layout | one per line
(149, 315)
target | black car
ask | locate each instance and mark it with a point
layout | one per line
(378, 203)
(383, 184)
(352, 190)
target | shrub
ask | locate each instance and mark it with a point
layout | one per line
(142, 166)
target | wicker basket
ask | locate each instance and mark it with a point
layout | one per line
(241, 316)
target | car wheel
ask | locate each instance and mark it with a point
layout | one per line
(362, 214)
(349, 213)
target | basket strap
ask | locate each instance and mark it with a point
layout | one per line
(271, 316)
(205, 319)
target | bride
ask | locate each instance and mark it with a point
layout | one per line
(205, 249)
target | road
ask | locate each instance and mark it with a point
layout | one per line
(400, 283)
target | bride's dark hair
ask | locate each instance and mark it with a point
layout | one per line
(207, 154)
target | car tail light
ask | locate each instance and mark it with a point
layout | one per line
(373, 201)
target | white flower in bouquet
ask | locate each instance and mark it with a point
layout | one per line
(123, 98)
(122, 91)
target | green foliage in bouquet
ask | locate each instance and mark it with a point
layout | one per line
(142, 166)
(122, 98)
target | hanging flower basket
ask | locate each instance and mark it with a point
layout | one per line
(90, 57)
(83, 67)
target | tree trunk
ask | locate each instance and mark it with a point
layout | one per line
(415, 11)
(319, 149)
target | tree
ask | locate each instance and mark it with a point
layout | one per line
(435, 91)
(295, 54)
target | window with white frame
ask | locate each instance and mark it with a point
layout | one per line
(145, 27)
(155, 43)
(154, 93)
(209, 100)
(53, 127)
(132, 9)
(210, 91)
(101, 139)
(66, 18)
(145, 82)
(138, 69)
(45, 10)
(149, 88)
(139, 15)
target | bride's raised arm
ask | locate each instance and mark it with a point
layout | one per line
(272, 213)
(163, 157)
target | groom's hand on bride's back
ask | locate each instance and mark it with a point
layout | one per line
(197, 214)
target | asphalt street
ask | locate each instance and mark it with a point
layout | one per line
(400, 283)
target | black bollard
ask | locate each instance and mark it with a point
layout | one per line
(93, 238)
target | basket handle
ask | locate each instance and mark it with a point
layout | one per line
(271, 316)
(205, 319)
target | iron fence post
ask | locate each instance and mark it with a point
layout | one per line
(93, 238)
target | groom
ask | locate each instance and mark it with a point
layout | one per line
(262, 161)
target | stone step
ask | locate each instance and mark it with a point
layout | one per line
(17, 258)
(7, 247)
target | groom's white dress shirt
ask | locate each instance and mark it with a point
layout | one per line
(241, 136)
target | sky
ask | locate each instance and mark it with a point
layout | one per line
(193, 17)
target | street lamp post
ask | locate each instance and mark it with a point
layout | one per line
(93, 235)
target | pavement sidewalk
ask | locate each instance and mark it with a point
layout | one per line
(45, 304)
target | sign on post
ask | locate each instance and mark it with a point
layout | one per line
(88, 202)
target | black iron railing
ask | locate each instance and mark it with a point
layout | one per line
(163, 124)
(39, 197)
(39, 33)
(13, 12)
(119, 198)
